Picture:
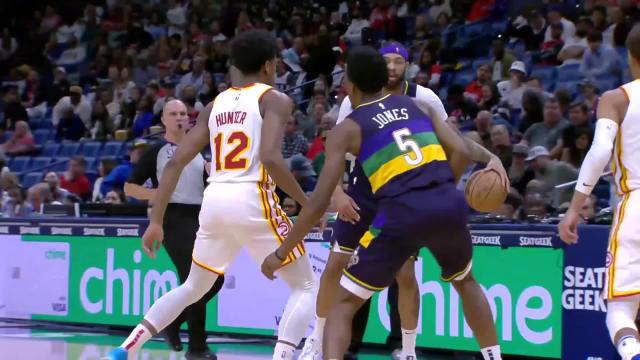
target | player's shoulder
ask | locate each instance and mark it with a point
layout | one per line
(616, 97)
(425, 94)
(273, 99)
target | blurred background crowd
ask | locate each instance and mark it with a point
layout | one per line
(83, 83)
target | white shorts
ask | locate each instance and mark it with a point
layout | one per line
(237, 215)
(623, 255)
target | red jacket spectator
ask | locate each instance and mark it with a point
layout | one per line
(74, 180)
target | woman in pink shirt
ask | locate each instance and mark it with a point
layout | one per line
(21, 142)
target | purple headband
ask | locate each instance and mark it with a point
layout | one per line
(395, 48)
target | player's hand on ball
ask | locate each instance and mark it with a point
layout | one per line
(347, 208)
(152, 239)
(496, 165)
(270, 264)
(568, 227)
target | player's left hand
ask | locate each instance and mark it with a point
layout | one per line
(496, 165)
(568, 227)
(270, 264)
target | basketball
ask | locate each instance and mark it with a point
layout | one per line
(485, 191)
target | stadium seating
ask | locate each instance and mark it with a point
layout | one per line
(39, 162)
(69, 149)
(41, 136)
(112, 148)
(60, 164)
(50, 149)
(91, 149)
(20, 163)
(32, 178)
(569, 72)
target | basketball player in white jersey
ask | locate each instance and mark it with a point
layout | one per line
(350, 211)
(244, 127)
(618, 134)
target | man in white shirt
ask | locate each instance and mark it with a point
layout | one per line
(555, 16)
(78, 102)
(575, 46)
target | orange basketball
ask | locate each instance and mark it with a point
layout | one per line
(485, 191)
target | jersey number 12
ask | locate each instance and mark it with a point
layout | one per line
(232, 160)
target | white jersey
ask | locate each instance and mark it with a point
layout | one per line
(626, 166)
(235, 127)
(421, 93)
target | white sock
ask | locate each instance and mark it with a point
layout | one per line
(136, 339)
(283, 351)
(491, 353)
(318, 329)
(409, 341)
(628, 347)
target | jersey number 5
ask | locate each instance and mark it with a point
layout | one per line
(407, 144)
(232, 161)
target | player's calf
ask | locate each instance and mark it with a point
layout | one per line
(408, 308)
(339, 323)
(621, 314)
(329, 279)
(477, 312)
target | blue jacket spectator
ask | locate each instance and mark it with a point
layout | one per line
(599, 59)
(119, 175)
(70, 126)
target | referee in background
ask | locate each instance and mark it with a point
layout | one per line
(180, 221)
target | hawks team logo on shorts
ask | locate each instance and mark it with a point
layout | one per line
(609, 259)
(284, 229)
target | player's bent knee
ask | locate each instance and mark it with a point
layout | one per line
(355, 289)
(621, 314)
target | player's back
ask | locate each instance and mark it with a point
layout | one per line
(399, 150)
(627, 147)
(235, 127)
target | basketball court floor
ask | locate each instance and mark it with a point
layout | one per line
(31, 341)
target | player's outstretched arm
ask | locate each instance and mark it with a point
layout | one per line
(195, 140)
(277, 108)
(611, 110)
(339, 142)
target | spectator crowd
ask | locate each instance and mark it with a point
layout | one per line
(522, 79)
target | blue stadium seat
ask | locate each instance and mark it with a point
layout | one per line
(464, 64)
(474, 29)
(112, 148)
(32, 178)
(20, 163)
(607, 83)
(91, 149)
(569, 72)
(464, 78)
(69, 149)
(7, 135)
(480, 61)
(92, 176)
(546, 74)
(41, 135)
(40, 161)
(61, 164)
(50, 149)
(91, 163)
(571, 86)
